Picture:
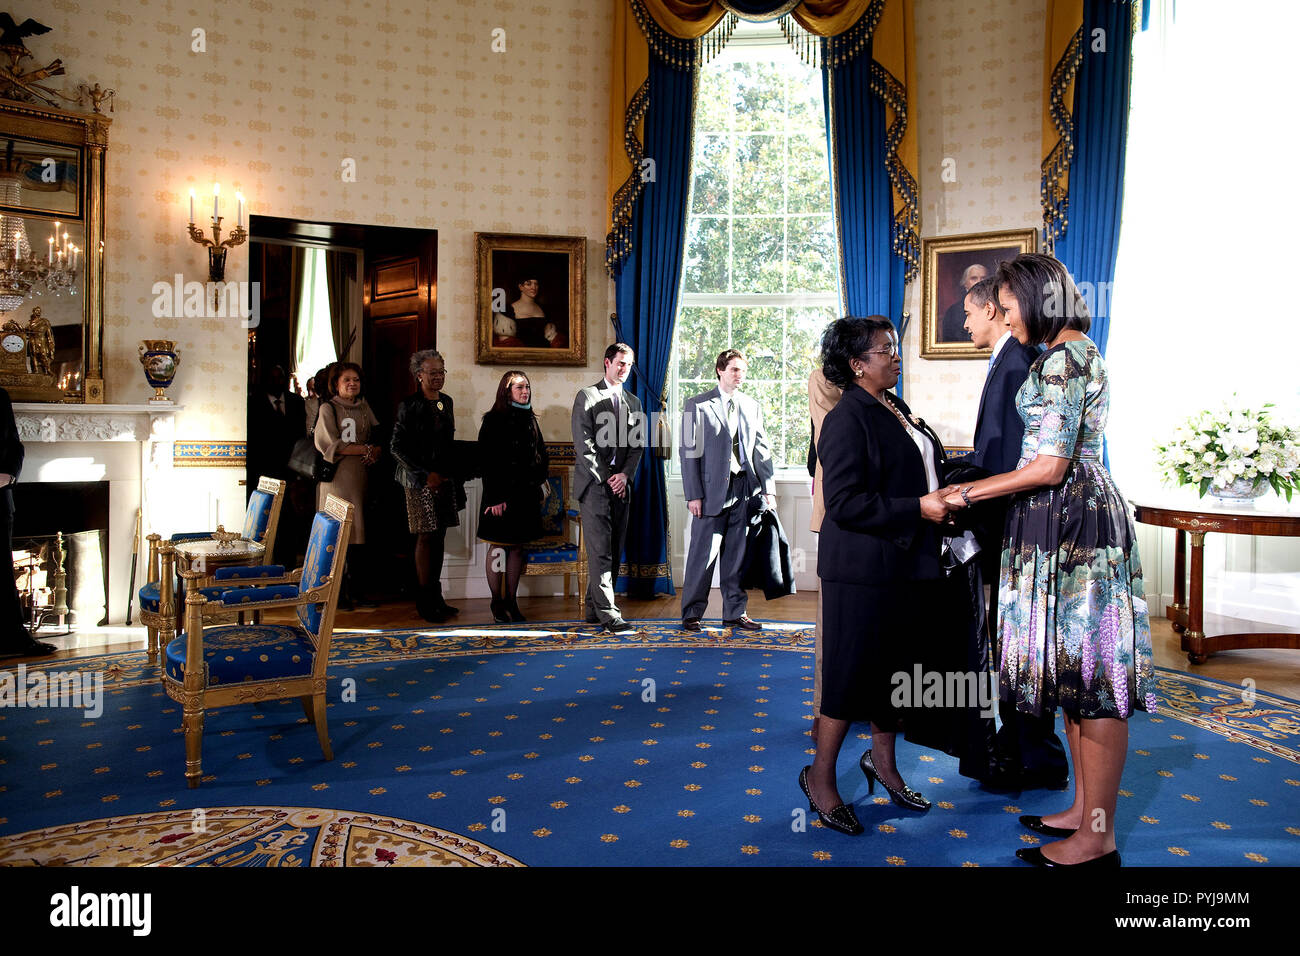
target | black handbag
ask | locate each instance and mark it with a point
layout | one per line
(305, 460)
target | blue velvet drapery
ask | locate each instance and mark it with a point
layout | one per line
(646, 291)
(871, 273)
(1090, 243)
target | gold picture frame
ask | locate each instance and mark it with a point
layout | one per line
(531, 299)
(945, 262)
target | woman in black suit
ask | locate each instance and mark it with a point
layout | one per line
(877, 557)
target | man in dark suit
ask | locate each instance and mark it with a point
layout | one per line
(15, 639)
(725, 461)
(275, 422)
(1029, 752)
(609, 437)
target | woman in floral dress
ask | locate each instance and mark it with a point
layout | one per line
(1072, 615)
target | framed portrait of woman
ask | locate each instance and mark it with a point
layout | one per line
(531, 302)
(949, 267)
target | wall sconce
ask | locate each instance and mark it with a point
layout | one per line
(217, 246)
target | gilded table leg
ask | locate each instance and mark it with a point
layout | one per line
(1194, 638)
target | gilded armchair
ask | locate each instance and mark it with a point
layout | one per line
(207, 666)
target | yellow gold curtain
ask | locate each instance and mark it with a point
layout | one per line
(685, 21)
(1061, 59)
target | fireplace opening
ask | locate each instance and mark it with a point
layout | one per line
(77, 510)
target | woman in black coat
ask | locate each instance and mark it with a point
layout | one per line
(422, 447)
(878, 548)
(514, 463)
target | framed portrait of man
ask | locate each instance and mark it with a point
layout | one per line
(531, 303)
(950, 265)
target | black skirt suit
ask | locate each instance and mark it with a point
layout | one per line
(877, 558)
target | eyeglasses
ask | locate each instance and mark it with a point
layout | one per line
(892, 351)
(433, 371)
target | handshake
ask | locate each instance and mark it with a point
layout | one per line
(940, 506)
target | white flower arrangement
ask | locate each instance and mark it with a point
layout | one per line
(1213, 449)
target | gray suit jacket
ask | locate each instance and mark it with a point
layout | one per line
(706, 448)
(603, 445)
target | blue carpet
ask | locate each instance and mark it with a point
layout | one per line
(546, 745)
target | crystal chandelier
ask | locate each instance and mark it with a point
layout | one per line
(21, 273)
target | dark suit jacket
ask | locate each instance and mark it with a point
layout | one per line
(597, 438)
(11, 449)
(998, 433)
(767, 555)
(998, 426)
(873, 480)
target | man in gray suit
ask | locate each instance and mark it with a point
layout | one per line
(726, 460)
(609, 437)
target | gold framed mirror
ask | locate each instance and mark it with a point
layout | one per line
(51, 253)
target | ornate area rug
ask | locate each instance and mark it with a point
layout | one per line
(551, 745)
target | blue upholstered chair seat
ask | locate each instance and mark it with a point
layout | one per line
(244, 652)
(559, 554)
(150, 597)
(246, 572)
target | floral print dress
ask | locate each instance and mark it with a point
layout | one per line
(1072, 613)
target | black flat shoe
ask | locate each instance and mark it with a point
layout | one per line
(34, 649)
(904, 797)
(1034, 855)
(841, 819)
(1038, 826)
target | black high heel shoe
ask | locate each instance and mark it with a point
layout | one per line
(512, 608)
(1035, 856)
(842, 818)
(905, 796)
(499, 612)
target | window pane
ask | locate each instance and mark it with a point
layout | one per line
(809, 175)
(803, 336)
(757, 255)
(804, 86)
(812, 254)
(770, 397)
(711, 169)
(759, 96)
(757, 333)
(701, 335)
(713, 106)
(705, 269)
(760, 174)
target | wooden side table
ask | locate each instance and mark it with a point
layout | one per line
(1195, 518)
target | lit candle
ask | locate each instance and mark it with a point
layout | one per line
(216, 200)
(191, 207)
(239, 219)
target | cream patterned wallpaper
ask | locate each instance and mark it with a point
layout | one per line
(446, 134)
(450, 135)
(979, 79)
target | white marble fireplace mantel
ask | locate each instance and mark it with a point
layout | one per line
(46, 422)
(130, 447)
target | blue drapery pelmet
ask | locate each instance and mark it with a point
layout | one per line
(872, 272)
(646, 292)
(1090, 243)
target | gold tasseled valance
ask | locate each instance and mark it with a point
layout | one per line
(686, 33)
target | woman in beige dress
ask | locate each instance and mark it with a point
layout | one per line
(343, 436)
